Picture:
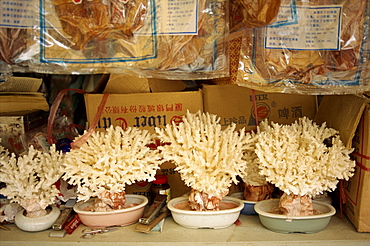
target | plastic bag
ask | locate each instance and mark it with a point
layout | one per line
(162, 39)
(325, 52)
(253, 13)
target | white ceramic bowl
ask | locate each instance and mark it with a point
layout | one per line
(36, 224)
(296, 224)
(120, 217)
(205, 219)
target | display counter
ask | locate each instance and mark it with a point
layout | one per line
(247, 231)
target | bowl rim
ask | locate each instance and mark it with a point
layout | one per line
(176, 200)
(258, 209)
(245, 201)
(77, 209)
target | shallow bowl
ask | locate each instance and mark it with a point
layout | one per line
(36, 224)
(295, 224)
(119, 217)
(206, 219)
(248, 208)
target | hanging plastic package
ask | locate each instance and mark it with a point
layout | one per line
(17, 20)
(150, 38)
(248, 14)
(325, 52)
(259, 13)
(252, 13)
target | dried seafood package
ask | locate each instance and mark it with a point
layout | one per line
(17, 20)
(323, 52)
(151, 38)
(260, 13)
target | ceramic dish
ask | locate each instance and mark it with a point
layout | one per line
(206, 219)
(248, 208)
(120, 217)
(296, 224)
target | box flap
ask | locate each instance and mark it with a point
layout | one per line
(162, 85)
(343, 113)
(125, 84)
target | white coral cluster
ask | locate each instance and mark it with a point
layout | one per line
(296, 159)
(30, 178)
(110, 160)
(208, 159)
(251, 175)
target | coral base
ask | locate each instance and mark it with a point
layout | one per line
(36, 224)
(205, 219)
(293, 224)
(119, 217)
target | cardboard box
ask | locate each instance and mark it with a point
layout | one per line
(143, 110)
(357, 189)
(178, 187)
(350, 115)
(234, 103)
(17, 128)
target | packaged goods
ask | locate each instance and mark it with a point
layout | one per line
(324, 52)
(160, 39)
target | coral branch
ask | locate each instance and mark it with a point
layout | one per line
(110, 160)
(208, 159)
(296, 159)
(30, 179)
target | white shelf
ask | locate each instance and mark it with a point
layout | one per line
(340, 231)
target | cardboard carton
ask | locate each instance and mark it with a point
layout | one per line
(350, 115)
(234, 103)
(357, 189)
(143, 110)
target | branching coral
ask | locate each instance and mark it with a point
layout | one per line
(30, 179)
(208, 159)
(110, 160)
(298, 159)
(256, 187)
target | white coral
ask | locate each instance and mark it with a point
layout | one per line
(110, 160)
(296, 159)
(251, 176)
(208, 159)
(30, 178)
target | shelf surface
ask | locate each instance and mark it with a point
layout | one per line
(248, 231)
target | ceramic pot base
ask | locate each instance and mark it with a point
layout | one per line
(297, 224)
(120, 217)
(205, 219)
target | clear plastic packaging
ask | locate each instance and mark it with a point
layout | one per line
(162, 39)
(325, 52)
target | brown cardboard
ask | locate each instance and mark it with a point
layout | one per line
(357, 189)
(125, 83)
(234, 103)
(341, 112)
(350, 115)
(178, 187)
(163, 85)
(143, 110)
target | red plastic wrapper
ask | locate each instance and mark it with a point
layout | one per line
(72, 225)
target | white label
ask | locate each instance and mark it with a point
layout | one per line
(177, 17)
(318, 28)
(287, 15)
(19, 13)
